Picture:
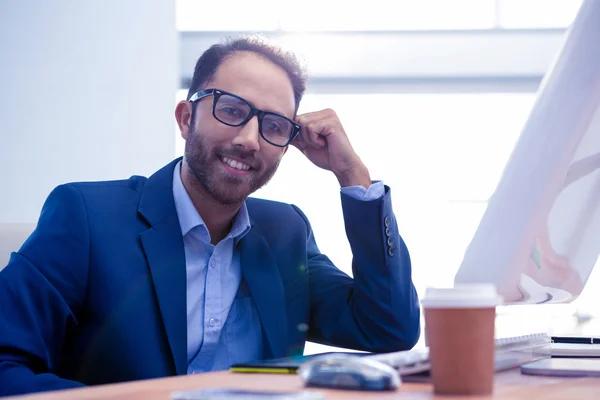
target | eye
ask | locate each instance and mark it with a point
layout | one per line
(272, 127)
(231, 111)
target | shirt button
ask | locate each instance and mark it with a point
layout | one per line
(212, 322)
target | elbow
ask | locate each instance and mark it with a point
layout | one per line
(408, 332)
(413, 333)
(398, 334)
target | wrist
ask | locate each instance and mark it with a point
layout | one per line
(358, 176)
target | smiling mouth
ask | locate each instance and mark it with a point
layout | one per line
(237, 165)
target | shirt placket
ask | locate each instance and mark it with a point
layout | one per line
(212, 306)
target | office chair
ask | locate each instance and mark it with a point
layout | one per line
(12, 236)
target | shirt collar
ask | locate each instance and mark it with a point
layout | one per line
(189, 218)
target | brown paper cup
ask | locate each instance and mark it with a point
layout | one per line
(460, 336)
(461, 349)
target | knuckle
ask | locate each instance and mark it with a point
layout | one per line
(330, 112)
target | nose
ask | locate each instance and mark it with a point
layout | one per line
(248, 136)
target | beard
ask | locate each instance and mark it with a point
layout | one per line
(227, 189)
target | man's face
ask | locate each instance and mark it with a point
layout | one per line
(219, 155)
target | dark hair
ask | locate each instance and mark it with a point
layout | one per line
(213, 57)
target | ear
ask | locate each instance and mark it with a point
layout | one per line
(183, 115)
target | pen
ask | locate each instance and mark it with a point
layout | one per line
(576, 340)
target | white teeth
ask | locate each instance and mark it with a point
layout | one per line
(236, 164)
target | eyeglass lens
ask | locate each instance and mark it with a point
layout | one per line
(233, 111)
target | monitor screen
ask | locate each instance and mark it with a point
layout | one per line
(539, 237)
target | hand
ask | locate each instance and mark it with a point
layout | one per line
(324, 142)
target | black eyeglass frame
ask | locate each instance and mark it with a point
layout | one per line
(217, 93)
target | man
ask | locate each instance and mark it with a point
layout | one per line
(182, 272)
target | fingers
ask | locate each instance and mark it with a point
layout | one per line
(316, 126)
(299, 143)
(315, 132)
(307, 118)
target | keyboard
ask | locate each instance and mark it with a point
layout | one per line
(511, 352)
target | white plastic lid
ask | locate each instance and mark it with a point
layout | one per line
(479, 295)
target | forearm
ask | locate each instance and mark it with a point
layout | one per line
(17, 379)
(378, 310)
(358, 176)
(43, 285)
(29, 347)
(385, 302)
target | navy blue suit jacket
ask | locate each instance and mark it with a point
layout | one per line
(97, 293)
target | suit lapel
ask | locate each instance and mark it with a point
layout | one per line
(262, 276)
(163, 246)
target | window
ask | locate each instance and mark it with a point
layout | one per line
(537, 13)
(376, 15)
(382, 15)
(232, 15)
(332, 15)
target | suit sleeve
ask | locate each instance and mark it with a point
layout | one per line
(378, 310)
(41, 291)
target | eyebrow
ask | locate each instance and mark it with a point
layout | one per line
(266, 110)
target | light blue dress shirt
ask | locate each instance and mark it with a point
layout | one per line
(223, 326)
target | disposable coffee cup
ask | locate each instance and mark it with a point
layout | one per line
(459, 331)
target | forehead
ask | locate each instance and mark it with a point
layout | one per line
(257, 80)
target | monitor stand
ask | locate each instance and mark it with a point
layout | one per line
(567, 359)
(534, 293)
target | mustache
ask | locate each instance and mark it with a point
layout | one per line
(247, 157)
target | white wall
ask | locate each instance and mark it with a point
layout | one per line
(87, 90)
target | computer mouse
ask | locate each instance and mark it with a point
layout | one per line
(348, 372)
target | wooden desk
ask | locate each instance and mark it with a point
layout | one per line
(509, 385)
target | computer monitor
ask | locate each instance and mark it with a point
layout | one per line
(539, 237)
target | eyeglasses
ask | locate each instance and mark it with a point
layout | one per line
(232, 110)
